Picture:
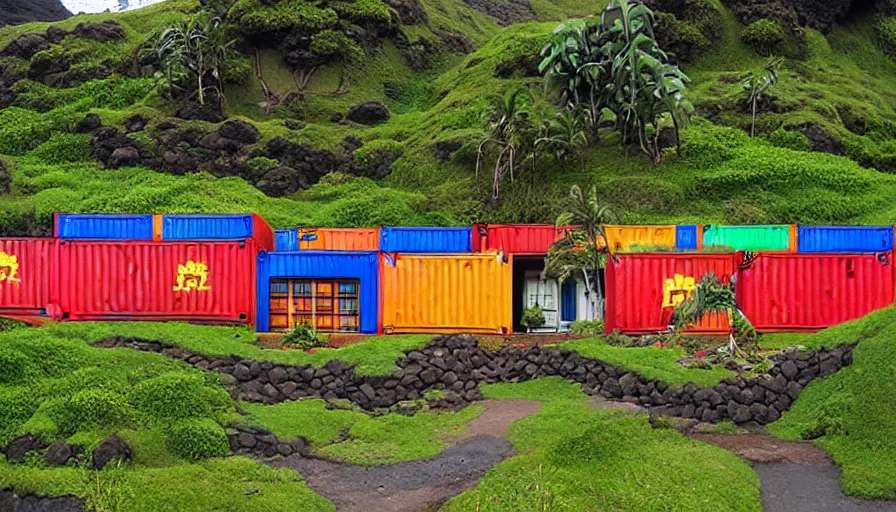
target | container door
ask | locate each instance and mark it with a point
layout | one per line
(568, 300)
(543, 293)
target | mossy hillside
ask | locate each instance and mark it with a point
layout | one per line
(851, 413)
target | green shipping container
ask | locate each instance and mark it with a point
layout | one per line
(780, 237)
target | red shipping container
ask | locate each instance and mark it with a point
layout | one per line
(518, 239)
(26, 280)
(643, 289)
(809, 292)
(209, 282)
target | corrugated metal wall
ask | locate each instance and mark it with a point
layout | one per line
(327, 239)
(287, 240)
(103, 227)
(781, 237)
(27, 274)
(219, 227)
(197, 281)
(363, 266)
(444, 294)
(642, 289)
(689, 237)
(812, 291)
(426, 240)
(521, 239)
(845, 238)
(623, 238)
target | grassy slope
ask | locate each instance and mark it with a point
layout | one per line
(54, 385)
(376, 356)
(855, 407)
(573, 457)
(359, 438)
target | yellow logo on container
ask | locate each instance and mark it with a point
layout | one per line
(192, 275)
(676, 289)
(9, 267)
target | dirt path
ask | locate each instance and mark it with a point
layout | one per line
(418, 485)
(794, 476)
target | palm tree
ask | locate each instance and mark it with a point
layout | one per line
(197, 48)
(757, 83)
(564, 135)
(583, 249)
(504, 126)
(712, 296)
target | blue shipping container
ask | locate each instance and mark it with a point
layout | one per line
(206, 227)
(363, 266)
(844, 238)
(104, 227)
(287, 240)
(427, 240)
(686, 237)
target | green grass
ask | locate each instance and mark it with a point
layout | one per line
(544, 389)
(854, 407)
(233, 484)
(359, 438)
(376, 355)
(651, 362)
(573, 457)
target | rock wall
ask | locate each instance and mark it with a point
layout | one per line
(457, 366)
(15, 12)
(10, 502)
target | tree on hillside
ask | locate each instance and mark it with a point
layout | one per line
(582, 251)
(712, 296)
(194, 51)
(615, 64)
(506, 126)
(757, 83)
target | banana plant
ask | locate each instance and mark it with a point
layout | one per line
(712, 296)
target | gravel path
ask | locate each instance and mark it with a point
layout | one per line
(418, 485)
(794, 476)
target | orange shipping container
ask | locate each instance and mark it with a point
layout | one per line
(468, 293)
(622, 238)
(324, 239)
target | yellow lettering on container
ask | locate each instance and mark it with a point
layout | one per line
(9, 267)
(192, 275)
(676, 289)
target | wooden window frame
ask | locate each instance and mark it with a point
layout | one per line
(336, 298)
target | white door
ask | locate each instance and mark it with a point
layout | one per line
(543, 293)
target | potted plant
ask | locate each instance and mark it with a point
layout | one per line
(533, 318)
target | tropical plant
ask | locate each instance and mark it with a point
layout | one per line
(303, 336)
(712, 296)
(533, 318)
(506, 124)
(583, 249)
(614, 63)
(758, 83)
(563, 136)
(195, 50)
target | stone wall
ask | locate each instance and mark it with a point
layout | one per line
(10, 502)
(457, 366)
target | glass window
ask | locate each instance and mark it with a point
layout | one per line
(330, 305)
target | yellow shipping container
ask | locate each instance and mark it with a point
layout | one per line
(469, 293)
(326, 239)
(622, 238)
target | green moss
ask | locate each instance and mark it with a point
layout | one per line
(764, 35)
(255, 16)
(198, 439)
(175, 396)
(543, 389)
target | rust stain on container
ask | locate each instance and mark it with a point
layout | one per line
(468, 293)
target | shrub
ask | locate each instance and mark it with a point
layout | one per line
(587, 327)
(764, 35)
(198, 439)
(790, 140)
(16, 406)
(174, 396)
(92, 408)
(303, 336)
(533, 317)
(885, 28)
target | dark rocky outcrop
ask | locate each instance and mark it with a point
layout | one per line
(25, 46)
(59, 453)
(282, 181)
(200, 112)
(16, 12)
(410, 12)
(369, 113)
(240, 131)
(11, 502)
(456, 366)
(261, 443)
(822, 140)
(102, 31)
(89, 123)
(521, 65)
(821, 15)
(135, 123)
(112, 448)
(507, 12)
(17, 448)
(443, 149)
